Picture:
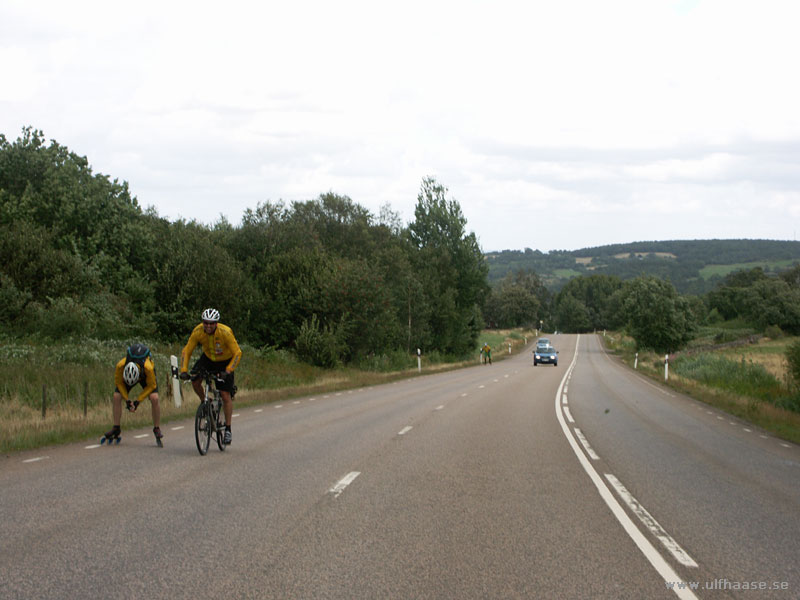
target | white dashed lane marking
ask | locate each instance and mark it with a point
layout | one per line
(342, 484)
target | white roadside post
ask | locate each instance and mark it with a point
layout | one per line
(636, 361)
(419, 360)
(176, 383)
(509, 347)
(666, 367)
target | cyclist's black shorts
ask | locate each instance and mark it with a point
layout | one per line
(206, 364)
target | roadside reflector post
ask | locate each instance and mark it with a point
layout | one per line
(419, 360)
(636, 361)
(666, 367)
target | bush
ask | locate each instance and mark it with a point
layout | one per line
(773, 332)
(320, 347)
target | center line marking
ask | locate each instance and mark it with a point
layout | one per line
(37, 459)
(177, 428)
(647, 519)
(405, 430)
(138, 437)
(440, 407)
(649, 551)
(582, 438)
(569, 415)
(340, 486)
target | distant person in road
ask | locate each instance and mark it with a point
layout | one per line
(221, 355)
(487, 353)
(137, 368)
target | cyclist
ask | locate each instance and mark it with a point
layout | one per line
(136, 368)
(221, 354)
(487, 353)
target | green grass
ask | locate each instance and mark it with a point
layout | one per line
(742, 378)
(567, 273)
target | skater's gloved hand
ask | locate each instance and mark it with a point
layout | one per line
(184, 375)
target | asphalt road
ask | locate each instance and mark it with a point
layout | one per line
(505, 481)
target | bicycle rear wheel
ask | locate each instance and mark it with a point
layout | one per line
(202, 429)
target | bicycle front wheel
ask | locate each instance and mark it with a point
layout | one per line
(220, 428)
(202, 429)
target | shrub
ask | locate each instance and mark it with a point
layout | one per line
(318, 346)
(773, 332)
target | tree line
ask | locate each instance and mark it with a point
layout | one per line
(650, 308)
(324, 277)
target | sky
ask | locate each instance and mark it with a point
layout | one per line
(555, 125)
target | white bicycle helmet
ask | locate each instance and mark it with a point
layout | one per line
(131, 374)
(210, 314)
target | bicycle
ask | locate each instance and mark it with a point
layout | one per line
(209, 417)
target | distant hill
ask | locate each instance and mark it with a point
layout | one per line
(693, 266)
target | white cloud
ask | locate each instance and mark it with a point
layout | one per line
(555, 125)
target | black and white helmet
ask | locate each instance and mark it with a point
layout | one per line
(211, 314)
(131, 374)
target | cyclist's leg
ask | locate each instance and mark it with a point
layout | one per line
(116, 408)
(197, 382)
(227, 406)
(155, 409)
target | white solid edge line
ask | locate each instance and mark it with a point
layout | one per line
(340, 486)
(654, 526)
(647, 549)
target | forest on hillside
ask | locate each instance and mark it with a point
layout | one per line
(693, 266)
(333, 283)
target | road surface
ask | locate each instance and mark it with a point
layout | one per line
(583, 480)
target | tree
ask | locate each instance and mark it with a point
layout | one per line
(451, 268)
(658, 318)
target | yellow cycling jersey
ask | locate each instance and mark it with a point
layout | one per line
(219, 346)
(149, 384)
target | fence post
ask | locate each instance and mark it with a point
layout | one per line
(44, 399)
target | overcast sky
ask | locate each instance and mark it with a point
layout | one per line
(555, 124)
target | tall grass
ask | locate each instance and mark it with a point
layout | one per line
(743, 377)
